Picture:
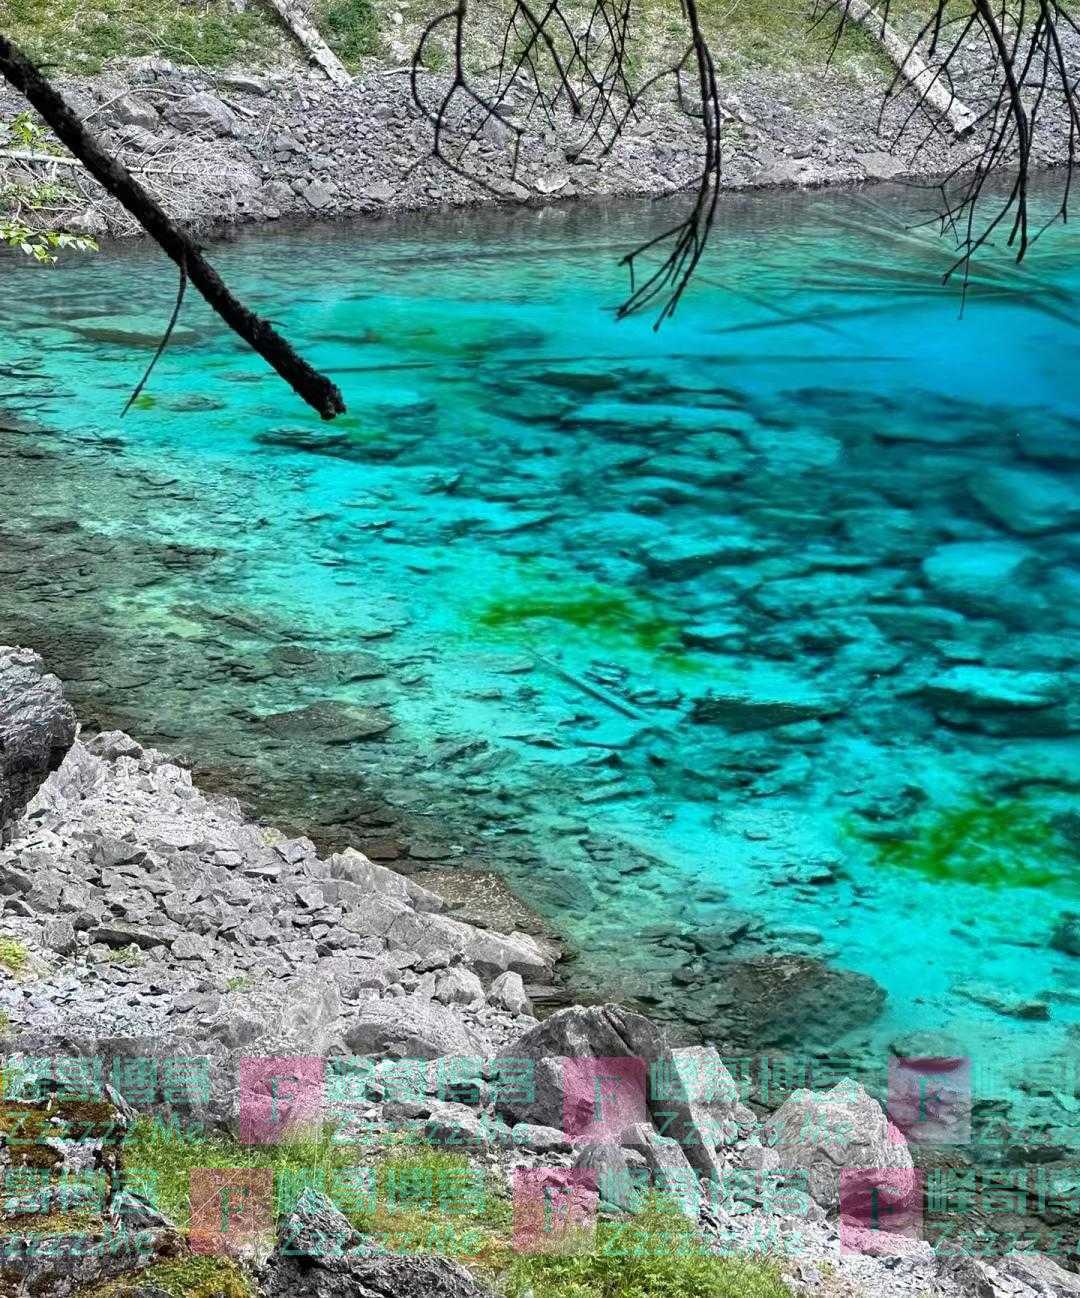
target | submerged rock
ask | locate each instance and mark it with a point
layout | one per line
(985, 577)
(790, 1000)
(329, 722)
(1027, 501)
(764, 698)
(130, 330)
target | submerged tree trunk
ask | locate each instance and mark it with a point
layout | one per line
(931, 87)
(305, 31)
(314, 388)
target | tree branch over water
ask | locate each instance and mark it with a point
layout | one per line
(551, 63)
(1025, 42)
(311, 386)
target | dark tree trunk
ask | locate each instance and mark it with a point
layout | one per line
(314, 388)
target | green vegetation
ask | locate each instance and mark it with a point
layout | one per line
(184, 1277)
(349, 28)
(16, 197)
(658, 1254)
(124, 955)
(13, 955)
(80, 38)
(1011, 843)
(600, 612)
(412, 1197)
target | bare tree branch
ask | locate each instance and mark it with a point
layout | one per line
(313, 387)
(1031, 80)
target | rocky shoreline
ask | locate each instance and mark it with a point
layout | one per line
(244, 147)
(155, 922)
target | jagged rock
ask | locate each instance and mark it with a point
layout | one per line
(37, 727)
(409, 1028)
(822, 1132)
(488, 953)
(668, 1166)
(618, 1173)
(453, 1125)
(540, 1140)
(129, 110)
(372, 878)
(703, 1101)
(507, 992)
(598, 1031)
(1016, 1275)
(318, 195)
(460, 987)
(203, 113)
(320, 1255)
(59, 935)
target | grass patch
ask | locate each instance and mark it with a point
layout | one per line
(1011, 843)
(349, 28)
(13, 955)
(429, 1200)
(79, 37)
(411, 1197)
(657, 1254)
(185, 1277)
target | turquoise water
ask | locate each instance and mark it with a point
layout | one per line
(707, 639)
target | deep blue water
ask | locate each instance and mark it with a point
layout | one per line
(820, 495)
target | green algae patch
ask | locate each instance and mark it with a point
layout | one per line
(1011, 843)
(602, 612)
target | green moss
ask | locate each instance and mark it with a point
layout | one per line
(1011, 843)
(185, 1277)
(13, 955)
(604, 612)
